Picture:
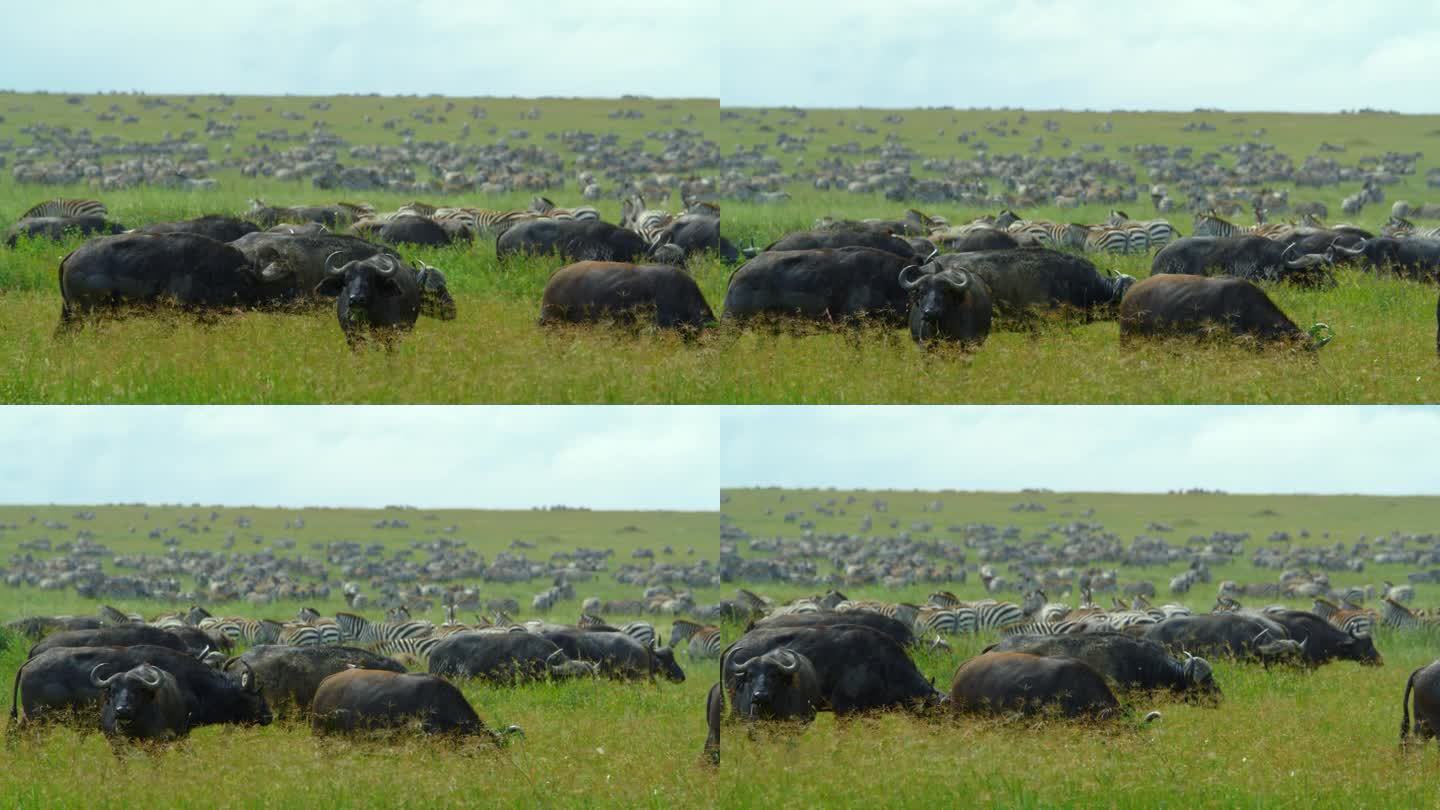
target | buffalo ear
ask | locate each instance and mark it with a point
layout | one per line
(331, 286)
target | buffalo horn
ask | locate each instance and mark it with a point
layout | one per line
(787, 661)
(958, 279)
(328, 268)
(99, 681)
(907, 284)
(153, 679)
(247, 678)
(389, 265)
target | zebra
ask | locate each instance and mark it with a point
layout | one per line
(1405, 229)
(643, 632)
(484, 221)
(704, 640)
(1053, 235)
(991, 615)
(1354, 622)
(412, 652)
(944, 599)
(250, 631)
(67, 208)
(361, 631)
(295, 634)
(1399, 617)
(945, 621)
(1041, 628)
(650, 223)
(546, 208)
(1400, 593)
(1210, 224)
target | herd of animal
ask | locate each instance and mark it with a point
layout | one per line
(155, 680)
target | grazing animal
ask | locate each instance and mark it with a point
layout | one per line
(1003, 682)
(617, 654)
(504, 658)
(835, 239)
(1425, 683)
(1254, 258)
(381, 297)
(125, 635)
(572, 240)
(361, 699)
(1168, 305)
(947, 302)
(219, 227)
(57, 229)
(143, 703)
(1131, 663)
(67, 208)
(1024, 281)
(827, 285)
(591, 291)
(289, 676)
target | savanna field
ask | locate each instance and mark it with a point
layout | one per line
(494, 352)
(1280, 737)
(587, 743)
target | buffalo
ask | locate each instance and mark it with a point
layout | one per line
(698, 233)
(294, 265)
(328, 215)
(56, 229)
(58, 680)
(361, 699)
(1425, 682)
(844, 238)
(1129, 662)
(382, 297)
(1254, 258)
(1415, 259)
(36, 628)
(1001, 682)
(1322, 641)
(618, 655)
(572, 240)
(823, 285)
(1025, 280)
(505, 658)
(902, 633)
(1193, 305)
(591, 291)
(288, 676)
(777, 685)
(143, 703)
(1231, 635)
(714, 709)
(219, 227)
(124, 635)
(407, 229)
(947, 302)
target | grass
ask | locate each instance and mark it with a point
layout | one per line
(494, 353)
(587, 744)
(1280, 738)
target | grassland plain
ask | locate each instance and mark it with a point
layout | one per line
(587, 744)
(494, 353)
(1280, 738)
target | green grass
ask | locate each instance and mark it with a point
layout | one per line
(1280, 738)
(587, 744)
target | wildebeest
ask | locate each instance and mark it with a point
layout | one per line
(572, 240)
(1417, 259)
(56, 229)
(847, 238)
(382, 297)
(125, 635)
(947, 302)
(505, 658)
(1425, 682)
(1231, 635)
(58, 680)
(1024, 280)
(1001, 682)
(1254, 258)
(822, 285)
(143, 703)
(288, 676)
(1194, 305)
(219, 227)
(1322, 641)
(618, 655)
(1131, 663)
(186, 270)
(361, 699)
(592, 291)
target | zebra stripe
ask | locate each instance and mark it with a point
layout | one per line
(1041, 628)
(545, 207)
(300, 635)
(1108, 239)
(417, 648)
(361, 631)
(643, 632)
(67, 208)
(991, 616)
(1210, 224)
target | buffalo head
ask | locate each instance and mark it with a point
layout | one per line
(946, 302)
(778, 685)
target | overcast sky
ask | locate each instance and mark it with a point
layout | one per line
(1272, 449)
(1072, 54)
(492, 457)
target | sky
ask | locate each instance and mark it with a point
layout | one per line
(1297, 55)
(1267, 450)
(436, 457)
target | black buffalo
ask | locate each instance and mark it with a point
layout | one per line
(130, 270)
(572, 240)
(407, 229)
(822, 285)
(381, 297)
(845, 238)
(617, 655)
(902, 633)
(1192, 305)
(947, 302)
(36, 628)
(1002, 682)
(591, 291)
(1425, 682)
(219, 227)
(974, 240)
(1322, 641)
(1416, 259)
(1129, 662)
(292, 266)
(1025, 280)
(1254, 258)
(56, 229)
(1230, 635)
(780, 684)
(362, 699)
(714, 710)
(124, 635)
(144, 703)
(696, 234)
(505, 658)
(58, 681)
(268, 216)
(288, 676)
